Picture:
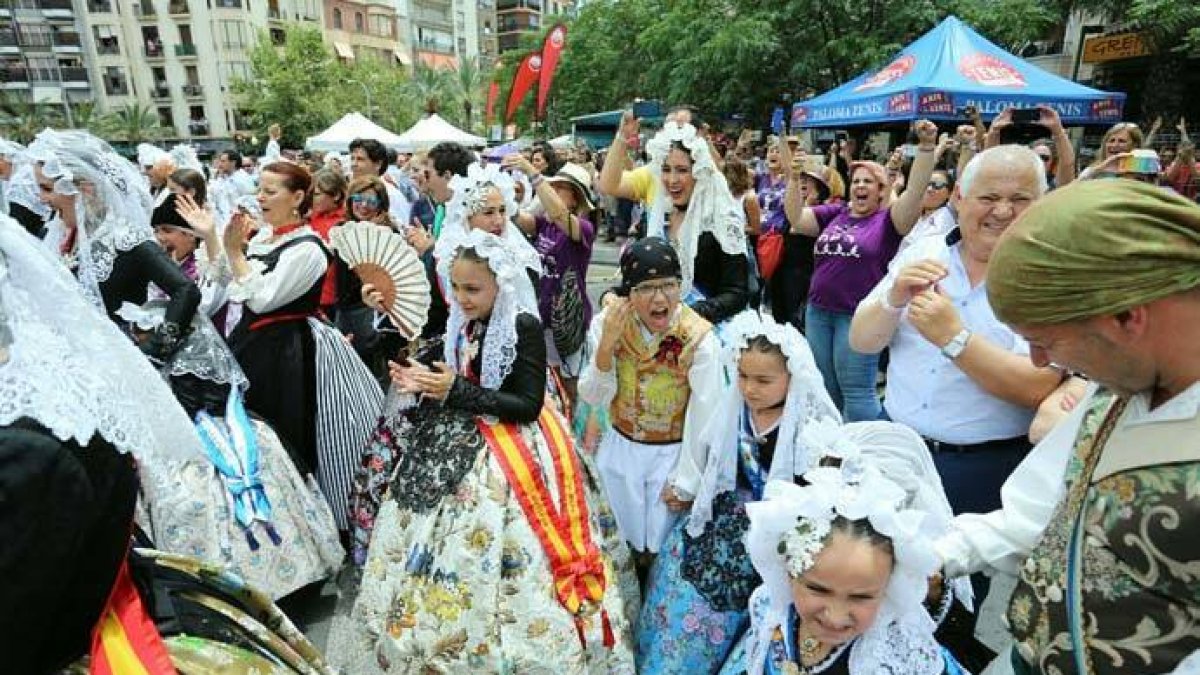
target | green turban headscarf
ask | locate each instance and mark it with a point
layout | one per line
(1094, 248)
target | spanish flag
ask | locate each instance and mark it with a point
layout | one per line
(125, 641)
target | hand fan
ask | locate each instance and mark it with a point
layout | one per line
(384, 259)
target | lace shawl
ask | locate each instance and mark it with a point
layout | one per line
(807, 402)
(712, 207)
(69, 367)
(516, 296)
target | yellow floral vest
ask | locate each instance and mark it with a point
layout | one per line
(652, 379)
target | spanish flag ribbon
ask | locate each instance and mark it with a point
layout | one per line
(125, 641)
(563, 531)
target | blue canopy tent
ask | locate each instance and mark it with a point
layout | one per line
(947, 69)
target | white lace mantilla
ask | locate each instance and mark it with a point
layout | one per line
(203, 353)
(68, 367)
(712, 207)
(807, 404)
(516, 296)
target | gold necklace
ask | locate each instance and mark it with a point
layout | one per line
(809, 647)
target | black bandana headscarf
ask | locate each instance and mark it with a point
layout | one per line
(645, 259)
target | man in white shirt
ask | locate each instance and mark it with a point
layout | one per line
(230, 184)
(369, 157)
(958, 376)
(1100, 521)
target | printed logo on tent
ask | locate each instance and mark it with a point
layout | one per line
(990, 71)
(900, 104)
(894, 71)
(799, 116)
(1105, 109)
(935, 102)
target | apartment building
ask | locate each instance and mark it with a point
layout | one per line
(366, 28)
(41, 55)
(514, 17)
(440, 32)
(181, 56)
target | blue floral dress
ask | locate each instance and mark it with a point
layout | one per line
(699, 587)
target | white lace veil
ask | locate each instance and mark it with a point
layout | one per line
(712, 207)
(113, 216)
(469, 192)
(185, 157)
(516, 296)
(807, 402)
(22, 188)
(900, 641)
(68, 367)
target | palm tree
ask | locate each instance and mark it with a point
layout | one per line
(21, 120)
(428, 86)
(89, 118)
(135, 123)
(468, 84)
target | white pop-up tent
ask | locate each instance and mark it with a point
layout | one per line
(433, 130)
(353, 125)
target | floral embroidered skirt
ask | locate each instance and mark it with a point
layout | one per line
(187, 509)
(456, 580)
(696, 600)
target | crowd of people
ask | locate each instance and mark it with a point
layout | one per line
(206, 412)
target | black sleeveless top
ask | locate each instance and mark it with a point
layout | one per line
(309, 302)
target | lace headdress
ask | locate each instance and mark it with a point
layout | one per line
(807, 402)
(22, 188)
(790, 528)
(71, 369)
(712, 207)
(185, 157)
(516, 296)
(470, 193)
(113, 216)
(148, 154)
(10, 149)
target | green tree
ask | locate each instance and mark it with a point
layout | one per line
(430, 87)
(297, 84)
(467, 85)
(21, 120)
(134, 123)
(386, 84)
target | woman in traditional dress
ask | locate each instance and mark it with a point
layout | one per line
(102, 231)
(700, 585)
(485, 556)
(305, 381)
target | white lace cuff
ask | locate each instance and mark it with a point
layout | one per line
(249, 286)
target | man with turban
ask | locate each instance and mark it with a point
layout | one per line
(1101, 520)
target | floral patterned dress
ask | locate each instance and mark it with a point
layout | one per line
(456, 579)
(699, 588)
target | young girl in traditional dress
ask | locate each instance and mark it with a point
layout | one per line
(699, 587)
(656, 367)
(484, 556)
(846, 562)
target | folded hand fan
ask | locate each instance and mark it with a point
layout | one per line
(381, 257)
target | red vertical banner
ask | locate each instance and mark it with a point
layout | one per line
(552, 48)
(489, 113)
(523, 80)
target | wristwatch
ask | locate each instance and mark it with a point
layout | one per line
(954, 348)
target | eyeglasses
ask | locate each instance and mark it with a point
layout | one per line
(365, 200)
(1045, 158)
(938, 185)
(669, 289)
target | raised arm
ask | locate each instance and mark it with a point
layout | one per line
(802, 218)
(906, 210)
(613, 180)
(1065, 172)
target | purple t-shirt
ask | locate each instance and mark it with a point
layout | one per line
(560, 258)
(852, 255)
(770, 201)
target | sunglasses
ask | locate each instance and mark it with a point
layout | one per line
(938, 185)
(365, 200)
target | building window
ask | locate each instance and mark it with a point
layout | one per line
(106, 40)
(165, 118)
(358, 22)
(337, 18)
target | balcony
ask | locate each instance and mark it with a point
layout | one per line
(227, 4)
(100, 6)
(55, 5)
(532, 5)
(109, 45)
(274, 14)
(67, 42)
(34, 42)
(193, 91)
(44, 75)
(14, 75)
(154, 49)
(198, 127)
(161, 90)
(8, 38)
(145, 10)
(116, 87)
(178, 8)
(185, 50)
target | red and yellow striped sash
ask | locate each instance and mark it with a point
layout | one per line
(125, 641)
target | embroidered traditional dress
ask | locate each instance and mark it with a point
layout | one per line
(468, 571)
(658, 385)
(1112, 586)
(699, 587)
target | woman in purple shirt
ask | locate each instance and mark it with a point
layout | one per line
(855, 243)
